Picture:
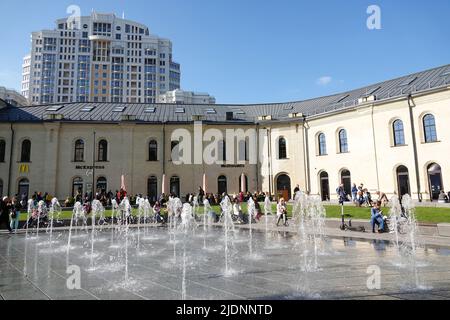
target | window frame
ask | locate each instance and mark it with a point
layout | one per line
(428, 127)
(398, 133)
(282, 148)
(102, 155)
(78, 149)
(153, 143)
(343, 141)
(2, 150)
(322, 144)
(25, 155)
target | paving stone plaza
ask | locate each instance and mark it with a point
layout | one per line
(151, 263)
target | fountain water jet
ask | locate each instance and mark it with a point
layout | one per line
(251, 212)
(78, 211)
(97, 210)
(267, 211)
(403, 221)
(30, 209)
(309, 215)
(186, 226)
(114, 210)
(41, 212)
(228, 227)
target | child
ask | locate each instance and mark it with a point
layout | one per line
(281, 212)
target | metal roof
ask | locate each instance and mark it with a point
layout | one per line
(167, 113)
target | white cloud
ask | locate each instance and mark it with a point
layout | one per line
(325, 80)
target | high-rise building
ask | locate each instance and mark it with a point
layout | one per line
(98, 58)
(186, 97)
(12, 97)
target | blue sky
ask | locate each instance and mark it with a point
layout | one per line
(248, 51)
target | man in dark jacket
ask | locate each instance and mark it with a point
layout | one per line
(341, 194)
(4, 213)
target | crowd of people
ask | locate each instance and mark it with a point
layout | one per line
(360, 196)
(11, 208)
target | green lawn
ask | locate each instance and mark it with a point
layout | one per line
(423, 214)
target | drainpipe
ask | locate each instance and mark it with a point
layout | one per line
(375, 149)
(94, 186)
(306, 156)
(164, 155)
(257, 157)
(269, 160)
(10, 159)
(414, 141)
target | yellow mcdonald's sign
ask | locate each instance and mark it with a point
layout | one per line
(24, 168)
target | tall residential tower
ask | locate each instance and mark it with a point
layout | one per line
(98, 58)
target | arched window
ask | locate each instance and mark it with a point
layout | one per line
(282, 150)
(324, 186)
(24, 187)
(79, 151)
(429, 128)
(2, 150)
(322, 144)
(153, 151)
(284, 186)
(25, 155)
(175, 152)
(102, 185)
(152, 189)
(175, 186)
(222, 184)
(77, 186)
(103, 151)
(343, 143)
(346, 180)
(435, 180)
(399, 133)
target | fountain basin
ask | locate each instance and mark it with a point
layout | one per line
(342, 272)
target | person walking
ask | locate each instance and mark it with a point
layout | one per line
(282, 212)
(341, 194)
(201, 194)
(258, 213)
(4, 213)
(15, 214)
(354, 193)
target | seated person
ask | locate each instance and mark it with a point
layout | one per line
(360, 198)
(377, 217)
(442, 197)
